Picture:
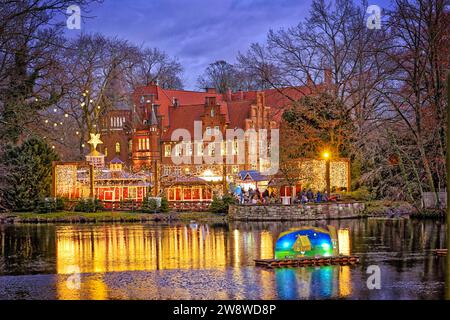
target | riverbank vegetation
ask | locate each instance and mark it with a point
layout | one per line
(108, 216)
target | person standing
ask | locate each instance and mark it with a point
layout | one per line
(319, 197)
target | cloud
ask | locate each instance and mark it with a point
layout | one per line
(197, 32)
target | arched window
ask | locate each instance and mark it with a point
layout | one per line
(212, 112)
(117, 147)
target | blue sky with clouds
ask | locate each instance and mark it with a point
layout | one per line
(197, 32)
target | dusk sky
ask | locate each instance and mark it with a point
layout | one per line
(197, 32)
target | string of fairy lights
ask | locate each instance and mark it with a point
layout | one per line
(54, 124)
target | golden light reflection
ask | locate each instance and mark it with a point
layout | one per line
(344, 241)
(96, 250)
(345, 283)
(266, 245)
(120, 248)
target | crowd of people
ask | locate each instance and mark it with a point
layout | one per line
(254, 196)
(269, 196)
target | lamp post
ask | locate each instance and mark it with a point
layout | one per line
(326, 155)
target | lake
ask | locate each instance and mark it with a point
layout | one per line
(214, 261)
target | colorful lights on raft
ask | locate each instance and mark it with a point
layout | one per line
(307, 242)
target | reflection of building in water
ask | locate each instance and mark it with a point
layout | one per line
(97, 250)
(121, 248)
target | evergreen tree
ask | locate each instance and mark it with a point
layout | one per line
(28, 177)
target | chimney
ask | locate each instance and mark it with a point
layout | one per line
(210, 90)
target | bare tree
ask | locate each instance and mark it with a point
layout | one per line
(29, 43)
(153, 65)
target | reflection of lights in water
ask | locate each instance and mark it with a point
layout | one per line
(266, 245)
(125, 248)
(236, 247)
(344, 241)
(345, 284)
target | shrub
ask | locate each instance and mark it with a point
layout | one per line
(149, 205)
(220, 205)
(164, 205)
(47, 205)
(362, 194)
(88, 205)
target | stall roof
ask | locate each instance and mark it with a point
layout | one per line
(252, 175)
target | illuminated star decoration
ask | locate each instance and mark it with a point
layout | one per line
(95, 140)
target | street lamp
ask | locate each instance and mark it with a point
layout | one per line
(326, 155)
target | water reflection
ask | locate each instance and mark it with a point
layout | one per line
(154, 261)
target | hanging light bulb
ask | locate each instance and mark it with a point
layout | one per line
(77, 133)
(46, 120)
(83, 104)
(55, 124)
(55, 110)
(66, 115)
(83, 145)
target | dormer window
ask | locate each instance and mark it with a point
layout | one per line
(175, 102)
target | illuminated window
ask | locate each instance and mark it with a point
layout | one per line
(199, 148)
(177, 171)
(166, 170)
(235, 146)
(211, 149)
(178, 149)
(235, 169)
(106, 152)
(147, 141)
(212, 112)
(167, 150)
(132, 193)
(189, 149)
(117, 147)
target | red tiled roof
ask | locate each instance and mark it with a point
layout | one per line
(235, 107)
(183, 117)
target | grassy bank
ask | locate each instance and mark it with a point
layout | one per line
(98, 217)
(388, 208)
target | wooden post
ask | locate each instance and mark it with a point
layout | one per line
(91, 176)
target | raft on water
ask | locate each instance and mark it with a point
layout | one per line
(306, 246)
(307, 261)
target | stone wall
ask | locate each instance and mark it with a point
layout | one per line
(296, 212)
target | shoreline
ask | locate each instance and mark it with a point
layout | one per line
(107, 217)
(373, 209)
